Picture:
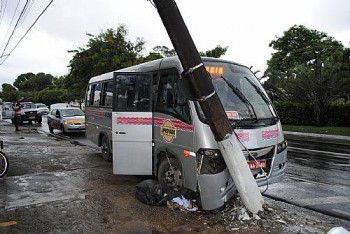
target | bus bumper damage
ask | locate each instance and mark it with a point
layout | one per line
(216, 189)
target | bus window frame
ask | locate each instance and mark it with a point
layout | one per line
(148, 74)
(170, 70)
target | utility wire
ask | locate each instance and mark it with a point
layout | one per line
(2, 9)
(26, 32)
(10, 24)
(14, 29)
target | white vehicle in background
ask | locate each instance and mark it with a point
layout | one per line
(42, 108)
(6, 111)
(58, 106)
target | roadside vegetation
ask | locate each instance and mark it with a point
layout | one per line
(308, 74)
(342, 131)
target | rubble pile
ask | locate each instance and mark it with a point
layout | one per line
(237, 217)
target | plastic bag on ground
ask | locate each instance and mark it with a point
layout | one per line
(150, 192)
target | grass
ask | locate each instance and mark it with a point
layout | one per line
(343, 131)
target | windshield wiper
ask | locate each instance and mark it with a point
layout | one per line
(262, 95)
(241, 96)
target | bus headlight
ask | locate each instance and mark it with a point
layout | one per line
(210, 161)
(282, 146)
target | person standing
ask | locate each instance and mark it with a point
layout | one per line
(17, 117)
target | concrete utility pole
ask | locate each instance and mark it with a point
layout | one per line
(202, 90)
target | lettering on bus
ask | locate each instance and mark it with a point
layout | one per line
(168, 131)
(215, 71)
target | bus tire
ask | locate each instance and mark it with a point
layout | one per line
(170, 177)
(4, 164)
(105, 150)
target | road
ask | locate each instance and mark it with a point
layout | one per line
(54, 186)
(317, 177)
(317, 174)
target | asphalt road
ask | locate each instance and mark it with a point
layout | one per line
(317, 177)
(54, 186)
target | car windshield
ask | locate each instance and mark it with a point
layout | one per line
(40, 105)
(28, 106)
(72, 112)
(240, 93)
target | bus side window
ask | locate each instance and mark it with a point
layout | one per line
(88, 95)
(125, 93)
(143, 93)
(107, 95)
(97, 95)
(170, 100)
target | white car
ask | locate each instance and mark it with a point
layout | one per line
(42, 108)
(67, 119)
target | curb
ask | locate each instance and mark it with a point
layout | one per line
(320, 138)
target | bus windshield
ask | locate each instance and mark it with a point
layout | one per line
(240, 93)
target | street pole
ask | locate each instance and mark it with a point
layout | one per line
(202, 89)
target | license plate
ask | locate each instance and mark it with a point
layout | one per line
(32, 117)
(258, 164)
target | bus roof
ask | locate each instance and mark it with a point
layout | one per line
(162, 63)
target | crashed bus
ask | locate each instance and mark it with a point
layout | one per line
(145, 125)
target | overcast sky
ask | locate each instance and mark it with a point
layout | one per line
(246, 27)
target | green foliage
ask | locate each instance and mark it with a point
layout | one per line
(309, 67)
(292, 113)
(330, 130)
(108, 51)
(217, 52)
(9, 93)
(32, 82)
(52, 96)
(300, 45)
(164, 51)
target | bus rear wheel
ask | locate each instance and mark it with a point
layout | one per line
(170, 174)
(106, 152)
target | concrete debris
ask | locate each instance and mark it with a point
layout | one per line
(182, 204)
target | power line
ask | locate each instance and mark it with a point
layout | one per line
(2, 9)
(14, 28)
(8, 29)
(36, 20)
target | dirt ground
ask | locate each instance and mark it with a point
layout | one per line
(54, 186)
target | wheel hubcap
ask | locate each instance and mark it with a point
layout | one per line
(173, 177)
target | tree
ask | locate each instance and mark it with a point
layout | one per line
(32, 82)
(308, 67)
(164, 51)
(51, 96)
(300, 45)
(9, 93)
(108, 51)
(217, 52)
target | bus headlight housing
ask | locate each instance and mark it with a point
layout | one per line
(210, 161)
(282, 146)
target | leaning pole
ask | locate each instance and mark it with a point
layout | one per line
(202, 90)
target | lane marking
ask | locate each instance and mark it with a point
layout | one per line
(322, 200)
(340, 155)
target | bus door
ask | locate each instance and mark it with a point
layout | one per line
(132, 124)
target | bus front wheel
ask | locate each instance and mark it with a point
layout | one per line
(170, 174)
(106, 152)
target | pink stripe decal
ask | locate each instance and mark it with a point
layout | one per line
(269, 134)
(96, 113)
(134, 121)
(243, 136)
(178, 124)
